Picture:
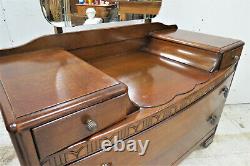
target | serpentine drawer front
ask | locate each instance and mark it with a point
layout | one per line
(172, 137)
(70, 129)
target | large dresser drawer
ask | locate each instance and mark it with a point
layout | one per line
(173, 137)
(63, 132)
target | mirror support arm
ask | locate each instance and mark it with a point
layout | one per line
(58, 30)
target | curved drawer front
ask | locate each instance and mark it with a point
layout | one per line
(173, 138)
(70, 129)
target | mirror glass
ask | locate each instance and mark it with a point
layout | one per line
(70, 13)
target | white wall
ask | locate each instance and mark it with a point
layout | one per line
(24, 22)
(5, 39)
(229, 18)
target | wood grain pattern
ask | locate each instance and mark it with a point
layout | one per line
(159, 74)
(198, 58)
(54, 79)
(174, 141)
(198, 40)
(136, 123)
(229, 57)
(103, 51)
(147, 75)
(91, 38)
(48, 136)
(38, 82)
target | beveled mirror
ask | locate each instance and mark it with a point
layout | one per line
(70, 13)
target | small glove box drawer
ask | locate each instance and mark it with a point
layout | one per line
(72, 128)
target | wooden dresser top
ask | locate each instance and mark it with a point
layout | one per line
(42, 79)
(198, 40)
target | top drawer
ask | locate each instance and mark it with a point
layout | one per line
(70, 129)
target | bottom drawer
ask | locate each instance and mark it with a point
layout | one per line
(172, 138)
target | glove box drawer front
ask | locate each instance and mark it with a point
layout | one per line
(63, 132)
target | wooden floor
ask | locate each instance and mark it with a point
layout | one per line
(230, 147)
(148, 75)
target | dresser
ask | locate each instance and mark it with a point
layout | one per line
(63, 95)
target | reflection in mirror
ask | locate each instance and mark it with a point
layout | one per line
(61, 13)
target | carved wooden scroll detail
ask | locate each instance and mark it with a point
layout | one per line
(86, 148)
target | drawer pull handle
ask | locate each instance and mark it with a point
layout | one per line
(236, 58)
(225, 92)
(91, 125)
(213, 119)
(106, 164)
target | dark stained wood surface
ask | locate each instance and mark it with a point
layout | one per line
(83, 39)
(117, 48)
(169, 140)
(140, 121)
(199, 40)
(148, 75)
(201, 59)
(48, 136)
(230, 56)
(35, 81)
(54, 90)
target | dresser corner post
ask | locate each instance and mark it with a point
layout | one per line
(25, 148)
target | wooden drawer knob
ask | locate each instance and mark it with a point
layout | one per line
(91, 125)
(225, 91)
(213, 119)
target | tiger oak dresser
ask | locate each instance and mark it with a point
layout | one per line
(63, 95)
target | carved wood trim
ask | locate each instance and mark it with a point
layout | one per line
(89, 147)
